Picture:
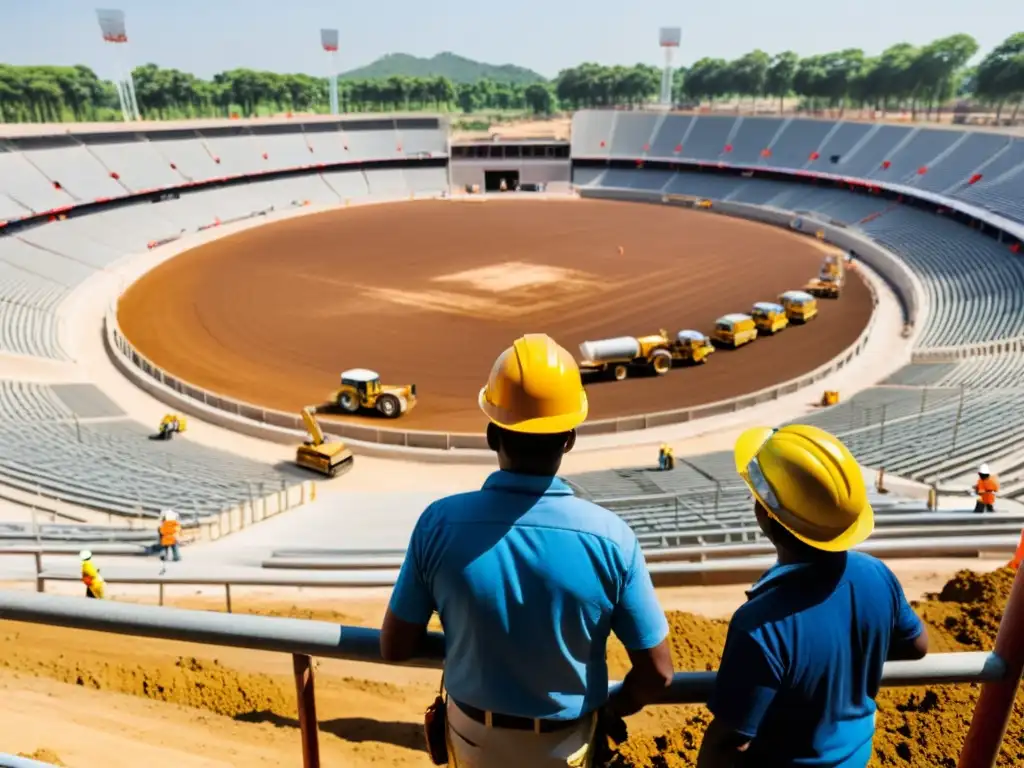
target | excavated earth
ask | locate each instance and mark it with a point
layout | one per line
(430, 292)
(237, 708)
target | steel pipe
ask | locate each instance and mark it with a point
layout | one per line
(301, 637)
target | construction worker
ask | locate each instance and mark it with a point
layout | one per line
(95, 587)
(803, 656)
(169, 530)
(986, 489)
(529, 581)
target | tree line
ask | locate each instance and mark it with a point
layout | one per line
(903, 77)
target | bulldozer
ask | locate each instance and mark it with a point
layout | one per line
(361, 390)
(327, 458)
(655, 353)
(829, 282)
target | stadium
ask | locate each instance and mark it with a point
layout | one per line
(229, 271)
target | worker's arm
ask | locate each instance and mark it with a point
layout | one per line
(747, 681)
(640, 624)
(909, 640)
(410, 608)
(650, 673)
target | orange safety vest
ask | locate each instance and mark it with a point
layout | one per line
(986, 488)
(169, 533)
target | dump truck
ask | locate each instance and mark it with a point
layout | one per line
(769, 317)
(800, 306)
(329, 458)
(361, 390)
(655, 353)
(734, 330)
(829, 282)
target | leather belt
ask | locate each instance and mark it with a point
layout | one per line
(514, 722)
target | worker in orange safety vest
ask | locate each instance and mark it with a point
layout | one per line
(986, 488)
(169, 530)
(95, 587)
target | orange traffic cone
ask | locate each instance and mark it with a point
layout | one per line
(1018, 556)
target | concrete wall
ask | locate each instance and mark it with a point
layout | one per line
(465, 171)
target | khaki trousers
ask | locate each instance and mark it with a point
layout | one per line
(475, 745)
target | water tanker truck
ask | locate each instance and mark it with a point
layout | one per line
(654, 353)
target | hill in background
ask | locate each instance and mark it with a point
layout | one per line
(456, 68)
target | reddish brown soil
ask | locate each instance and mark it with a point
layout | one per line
(274, 314)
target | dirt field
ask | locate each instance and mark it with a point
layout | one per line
(429, 292)
(91, 699)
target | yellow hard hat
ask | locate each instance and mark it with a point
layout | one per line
(809, 482)
(535, 387)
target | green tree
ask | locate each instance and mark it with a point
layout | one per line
(749, 74)
(539, 98)
(780, 76)
(1000, 76)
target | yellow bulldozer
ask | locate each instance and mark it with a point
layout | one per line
(361, 390)
(655, 353)
(328, 458)
(829, 282)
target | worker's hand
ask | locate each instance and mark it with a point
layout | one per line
(611, 731)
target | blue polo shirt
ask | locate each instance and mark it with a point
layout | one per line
(803, 660)
(528, 581)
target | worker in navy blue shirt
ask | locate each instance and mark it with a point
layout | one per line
(529, 582)
(803, 657)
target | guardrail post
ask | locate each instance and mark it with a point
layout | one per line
(306, 698)
(992, 712)
(40, 584)
(227, 596)
(161, 593)
(959, 414)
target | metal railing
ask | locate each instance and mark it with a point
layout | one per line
(267, 423)
(304, 639)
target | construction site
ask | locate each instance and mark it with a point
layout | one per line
(424, 293)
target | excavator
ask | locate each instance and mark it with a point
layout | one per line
(328, 458)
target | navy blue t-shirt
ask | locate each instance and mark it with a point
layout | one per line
(803, 660)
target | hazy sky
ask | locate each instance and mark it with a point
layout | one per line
(207, 36)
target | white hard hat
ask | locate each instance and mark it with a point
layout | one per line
(983, 470)
(85, 554)
(170, 514)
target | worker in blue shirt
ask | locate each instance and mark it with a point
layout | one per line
(803, 656)
(529, 582)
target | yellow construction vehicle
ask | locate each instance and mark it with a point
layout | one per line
(769, 317)
(327, 458)
(800, 306)
(361, 389)
(655, 353)
(170, 425)
(734, 330)
(829, 282)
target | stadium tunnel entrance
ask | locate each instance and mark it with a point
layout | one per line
(500, 181)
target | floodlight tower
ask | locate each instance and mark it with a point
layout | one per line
(114, 31)
(329, 41)
(668, 39)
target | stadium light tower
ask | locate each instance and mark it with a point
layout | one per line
(668, 39)
(329, 41)
(113, 29)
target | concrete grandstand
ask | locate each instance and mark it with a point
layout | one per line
(89, 211)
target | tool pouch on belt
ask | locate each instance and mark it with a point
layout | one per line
(435, 728)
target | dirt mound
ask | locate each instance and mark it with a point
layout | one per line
(916, 727)
(696, 644)
(43, 755)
